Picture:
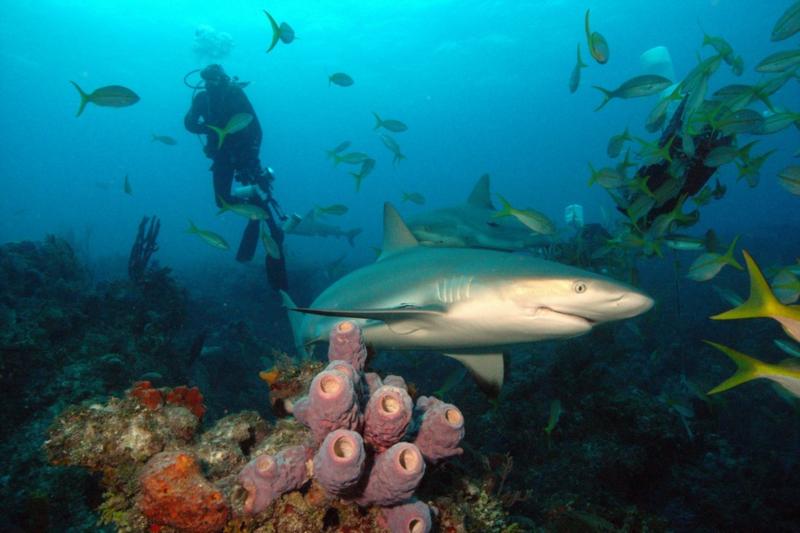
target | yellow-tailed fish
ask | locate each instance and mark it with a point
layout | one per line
(608, 178)
(762, 303)
(389, 124)
(366, 168)
(722, 155)
(792, 348)
(780, 61)
(658, 115)
(350, 158)
(127, 186)
(555, 415)
(210, 237)
(271, 247)
(389, 142)
(708, 265)
(653, 152)
(789, 179)
(575, 77)
(645, 85)
(253, 212)
(452, 381)
(786, 373)
(341, 79)
(280, 32)
(534, 220)
(341, 147)
(598, 47)
(236, 123)
(741, 121)
(788, 24)
(728, 295)
(723, 48)
(775, 122)
(616, 143)
(414, 197)
(109, 96)
(164, 139)
(751, 168)
(786, 286)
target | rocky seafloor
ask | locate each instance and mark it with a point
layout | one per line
(636, 447)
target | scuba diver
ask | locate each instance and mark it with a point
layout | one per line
(682, 175)
(219, 99)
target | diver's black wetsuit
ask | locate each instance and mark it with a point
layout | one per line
(238, 157)
(695, 173)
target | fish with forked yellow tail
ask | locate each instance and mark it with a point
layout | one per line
(762, 303)
(637, 87)
(280, 32)
(598, 47)
(786, 373)
(109, 96)
(235, 124)
(575, 77)
(708, 265)
(213, 239)
(788, 24)
(534, 220)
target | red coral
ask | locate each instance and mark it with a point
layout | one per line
(188, 398)
(174, 493)
(147, 395)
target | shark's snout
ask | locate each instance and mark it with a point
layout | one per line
(633, 303)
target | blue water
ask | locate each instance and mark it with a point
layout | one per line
(481, 85)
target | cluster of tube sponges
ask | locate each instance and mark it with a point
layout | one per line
(372, 445)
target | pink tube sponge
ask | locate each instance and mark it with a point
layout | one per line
(386, 417)
(266, 477)
(441, 429)
(394, 476)
(411, 517)
(331, 404)
(339, 462)
(346, 343)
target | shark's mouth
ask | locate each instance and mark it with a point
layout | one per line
(548, 312)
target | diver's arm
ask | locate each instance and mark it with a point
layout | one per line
(194, 120)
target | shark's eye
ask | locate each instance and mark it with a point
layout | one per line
(579, 287)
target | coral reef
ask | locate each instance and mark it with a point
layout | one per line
(242, 474)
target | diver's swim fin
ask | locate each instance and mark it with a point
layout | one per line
(249, 242)
(276, 273)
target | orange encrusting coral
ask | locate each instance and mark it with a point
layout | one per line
(147, 395)
(174, 493)
(189, 398)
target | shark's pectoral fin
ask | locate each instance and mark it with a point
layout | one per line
(395, 314)
(488, 369)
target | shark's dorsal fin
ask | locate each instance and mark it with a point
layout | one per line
(396, 235)
(480, 195)
(488, 369)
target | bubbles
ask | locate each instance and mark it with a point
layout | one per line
(211, 44)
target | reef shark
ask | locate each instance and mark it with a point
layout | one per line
(474, 225)
(468, 303)
(310, 225)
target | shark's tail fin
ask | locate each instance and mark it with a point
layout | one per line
(295, 320)
(352, 234)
